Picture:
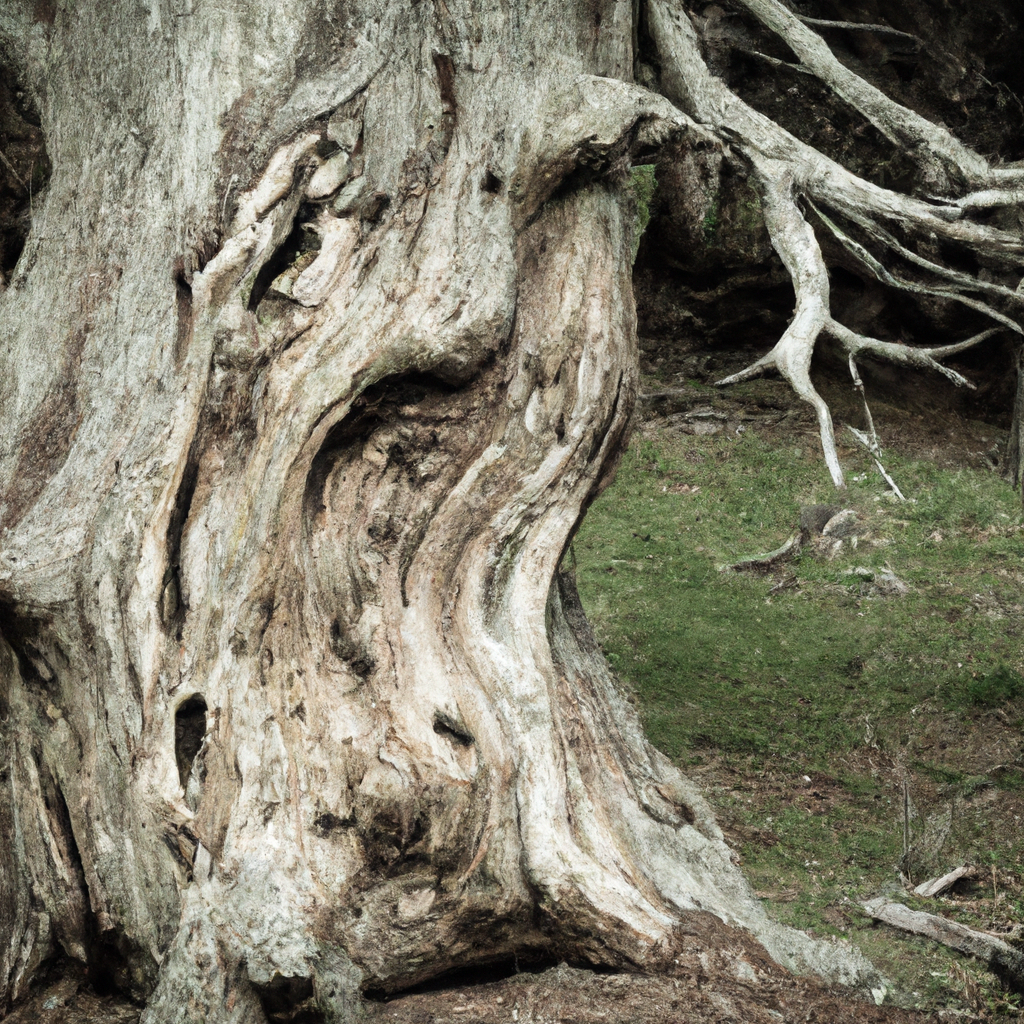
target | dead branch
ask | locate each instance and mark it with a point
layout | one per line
(1000, 956)
(872, 447)
(764, 563)
(935, 886)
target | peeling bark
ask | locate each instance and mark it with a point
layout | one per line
(320, 345)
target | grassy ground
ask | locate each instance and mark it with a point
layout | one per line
(853, 737)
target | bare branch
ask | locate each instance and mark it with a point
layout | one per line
(944, 156)
(796, 245)
(872, 446)
(990, 198)
(775, 62)
(859, 385)
(855, 26)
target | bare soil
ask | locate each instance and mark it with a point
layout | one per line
(711, 987)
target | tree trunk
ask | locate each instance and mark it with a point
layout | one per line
(320, 345)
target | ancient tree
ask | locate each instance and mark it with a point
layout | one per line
(319, 345)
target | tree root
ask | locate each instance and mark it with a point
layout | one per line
(786, 171)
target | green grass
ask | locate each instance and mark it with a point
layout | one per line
(717, 660)
(824, 678)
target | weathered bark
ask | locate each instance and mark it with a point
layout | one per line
(321, 343)
(992, 950)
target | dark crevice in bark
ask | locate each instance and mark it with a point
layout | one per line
(327, 822)
(189, 730)
(112, 967)
(173, 608)
(445, 725)
(183, 308)
(18, 629)
(351, 652)
(289, 1001)
(446, 84)
(70, 932)
(47, 440)
(529, 960)
(24, 170)
(301, 244)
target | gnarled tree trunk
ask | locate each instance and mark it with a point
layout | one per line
(321, 342)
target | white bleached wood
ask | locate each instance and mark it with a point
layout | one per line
(334, 507)
(998, 954)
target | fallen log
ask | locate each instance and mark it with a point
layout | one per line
(1002, 958)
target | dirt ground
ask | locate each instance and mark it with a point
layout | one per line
(717, 987)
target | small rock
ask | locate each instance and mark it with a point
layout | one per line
(861, 572)
(888, 583)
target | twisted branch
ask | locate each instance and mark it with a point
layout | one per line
(787, 170)
(795, 243)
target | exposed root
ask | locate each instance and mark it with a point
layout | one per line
(795, 243)
(904, 355)
(856, 26)
(943, 158)
(957, 277)
(789, 170)
(886, 276)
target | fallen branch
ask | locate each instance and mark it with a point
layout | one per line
(1000, 956)
(763, 563)
(863, 438)
(940, 885)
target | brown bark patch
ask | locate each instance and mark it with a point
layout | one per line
(48, 438)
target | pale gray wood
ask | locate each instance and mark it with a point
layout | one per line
(1000, 956)
(321, 344)
(936, 886)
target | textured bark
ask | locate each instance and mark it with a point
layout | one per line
(320, 345)
(996, 953)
